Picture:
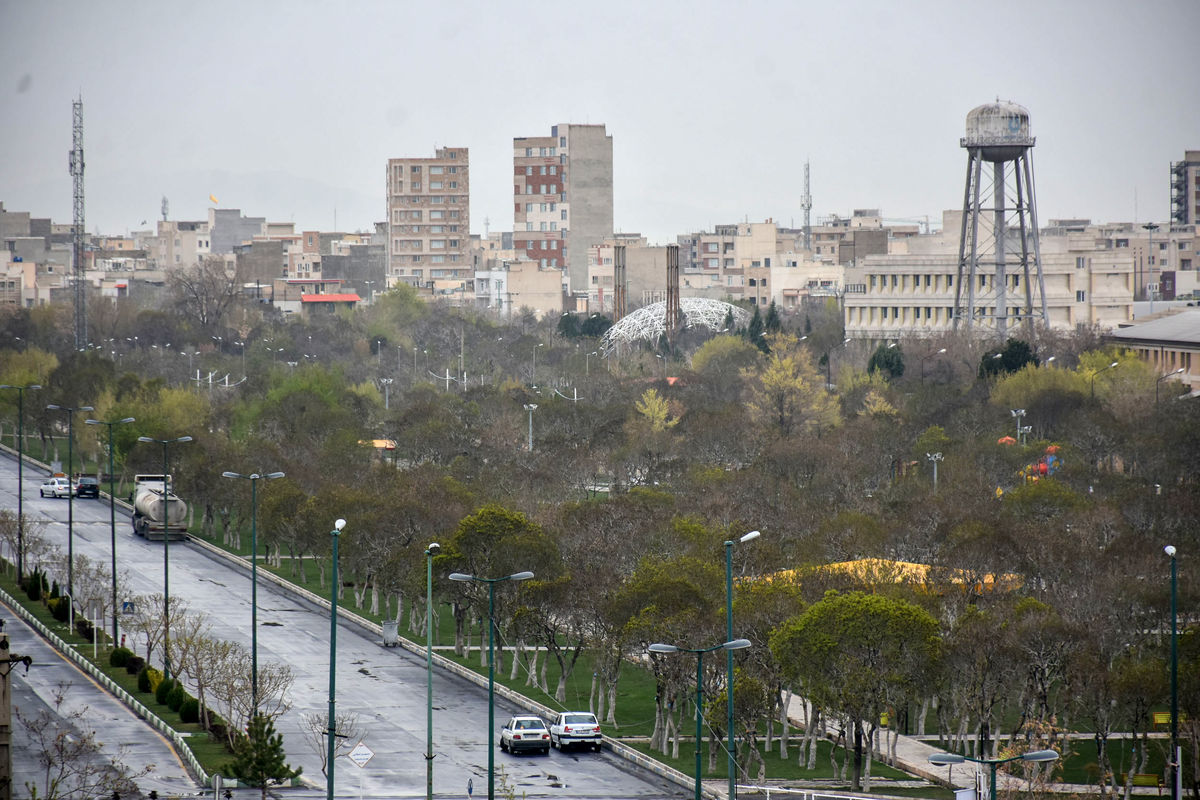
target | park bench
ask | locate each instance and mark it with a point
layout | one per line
(1147, 779)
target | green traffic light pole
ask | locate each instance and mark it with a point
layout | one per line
(430, 552)
(732, 748)
(166, 492)
(491, 584)
(947, 759)
(731, 645)
(253, 478)
(336, 534)
(1175, 754)
(20, 475)
(70, 507)
(112, 513)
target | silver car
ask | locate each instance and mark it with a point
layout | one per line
(56, 487)
(575, 729)
(525, 732)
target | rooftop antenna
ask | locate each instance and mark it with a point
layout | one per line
(77, 232)
(806, 205)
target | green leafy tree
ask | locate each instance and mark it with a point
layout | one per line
(258, 756)
(754, 333)
(789, 395)
(888, 360)
(1012, 357)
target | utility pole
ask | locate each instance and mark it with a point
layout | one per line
(7, 662)
(77, 231)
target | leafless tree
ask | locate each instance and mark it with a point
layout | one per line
(346, 730)
(204, 293)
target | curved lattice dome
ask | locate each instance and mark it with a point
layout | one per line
(649, 322)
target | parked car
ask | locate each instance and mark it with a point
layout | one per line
(56, 487)
(87, 487)
(575, 728)
(524, 733)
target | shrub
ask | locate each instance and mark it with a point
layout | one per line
(148, 679)
(60, 608)
(84, 627)
(164, 688)
(176, 697)
(134, 665)
(119, 656)
(190, 710)
(33, 585)
(54, 592)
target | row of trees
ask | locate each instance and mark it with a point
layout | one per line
(747, 435)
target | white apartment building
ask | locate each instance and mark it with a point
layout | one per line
(911, 290)
(429, 218)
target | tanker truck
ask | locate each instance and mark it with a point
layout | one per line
(150, 519)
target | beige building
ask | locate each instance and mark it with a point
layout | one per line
(429, 219)
(563, 198)
(911, 290)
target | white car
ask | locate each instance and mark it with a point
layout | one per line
(525, 732)
(56, 487)
(575, 728)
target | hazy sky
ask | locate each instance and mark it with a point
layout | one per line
(289, 110)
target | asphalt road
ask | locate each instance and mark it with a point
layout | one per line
(384, 687)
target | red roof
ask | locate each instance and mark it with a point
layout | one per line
(329, 298)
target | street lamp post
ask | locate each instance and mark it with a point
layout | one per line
(430, 552)
(828, 359)
(531, 407)
(1163, 378)
(934, 458)
(1113, 365)
(946, 759)
(253, 478)
(21, 474)
(734, 644)
(70, 506)
(732, 748)
(333, 596)
(387, 386)
(166, 494)
(112, 513)
(926, 358)
(587, 364)
(533, 380)
(1174, 761)
(1018, 413)
(491, 584)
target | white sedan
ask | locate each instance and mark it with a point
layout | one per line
(571, 728)
(56, 487)
(525, 732)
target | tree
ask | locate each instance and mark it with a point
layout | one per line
(887, 359)
(204, 293)
(789, 395)
(1011, 358)
(754, 333)
(259, 758)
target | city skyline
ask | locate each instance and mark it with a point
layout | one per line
(291, 111)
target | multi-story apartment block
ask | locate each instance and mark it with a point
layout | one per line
(179, 244)
(1185, 189)
(429, 218)
(563, 198)
(911, 290)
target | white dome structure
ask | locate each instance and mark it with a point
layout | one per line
(648, 323)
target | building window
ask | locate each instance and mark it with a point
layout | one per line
(553, 169)
(1081, 296)
(433, 214)
(432, 171)
(564, 215)
(437, 198)
(435, 185)
(438, 259)
(529, 170)
(416, 170)
(437, 244)
(1080, 262)
(453, 184)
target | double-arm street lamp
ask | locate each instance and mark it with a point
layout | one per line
(333, 597)
(254, 478)
(734, 644)
(1173, 761)
(1158, 381)
(70, 505)
(431, 551)
(112, 512)
(531, 407)
(166, 507)
(732, 748)
(20, 474)
(946, 759)
(491, 584)
(934, 458)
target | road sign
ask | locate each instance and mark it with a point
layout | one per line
(127, 607)
(361, 754)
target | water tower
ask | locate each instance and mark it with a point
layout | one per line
(1000, 283)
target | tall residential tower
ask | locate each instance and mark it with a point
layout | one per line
(563, 198)
(429, 218)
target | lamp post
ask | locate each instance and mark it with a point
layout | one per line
(1018, 413)
(430, 552)
(934, 458)
(732, 747)
(254, 478)
(21, 474)
(587, 364)
(333, 594)
(491, 584)
(926, 358)
(1163, 378)
(166, 494)
(734, 644)
(387, 386)
(1113, 365)
(828, 354)
(1174, 761)
(112, 513)
(70, 505)
(531, 407)
(533, 380)
(947, 759)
